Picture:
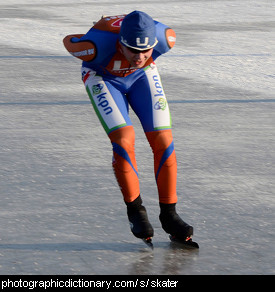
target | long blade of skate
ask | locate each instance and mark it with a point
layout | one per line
(188, 242)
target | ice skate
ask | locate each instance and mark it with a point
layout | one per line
(172, 224)
(138, 219)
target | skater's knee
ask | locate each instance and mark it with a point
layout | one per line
(123, 142)
(124, 137)
(160, 140)
(162, 146)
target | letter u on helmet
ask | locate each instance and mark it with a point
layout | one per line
(138, 31)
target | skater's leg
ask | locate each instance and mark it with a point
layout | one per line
(150, 104)
(148, 100)
(111, 108)
(125, 169)
(124, 162)
(166, 177)
(165, 164)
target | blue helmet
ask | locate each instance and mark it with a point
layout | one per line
(138, 31)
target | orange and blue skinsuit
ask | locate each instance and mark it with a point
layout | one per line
(112, 85)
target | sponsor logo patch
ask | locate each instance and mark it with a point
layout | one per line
(160, 104)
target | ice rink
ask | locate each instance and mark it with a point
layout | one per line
(61, 211)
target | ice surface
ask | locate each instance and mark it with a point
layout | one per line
(61, 211)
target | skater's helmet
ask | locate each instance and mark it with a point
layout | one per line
(138, 31)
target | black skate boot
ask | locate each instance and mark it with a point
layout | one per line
(139, 223)
(173, 224)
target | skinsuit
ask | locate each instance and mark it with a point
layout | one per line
(118, 70)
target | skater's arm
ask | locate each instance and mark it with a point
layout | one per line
(166, 39)
(96, 46)
(82, 49)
